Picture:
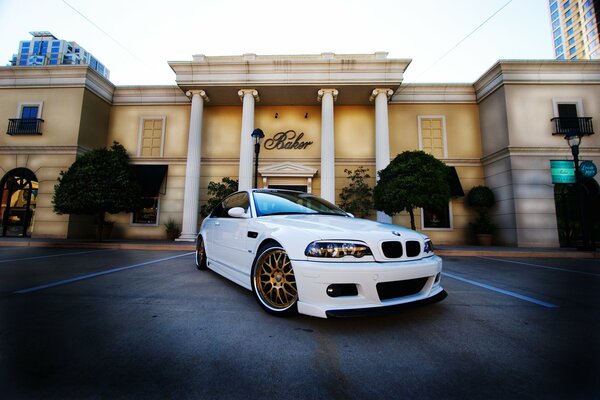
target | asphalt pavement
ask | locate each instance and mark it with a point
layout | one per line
(84, 322)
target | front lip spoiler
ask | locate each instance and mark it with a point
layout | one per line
(384, 310)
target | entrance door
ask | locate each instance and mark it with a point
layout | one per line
(299, 188)
(19, 192)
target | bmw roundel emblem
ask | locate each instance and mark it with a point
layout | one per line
(396, 233)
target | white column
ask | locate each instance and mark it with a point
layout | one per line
(327, 97)
(382, 137)
(189, 226)
(248, 96)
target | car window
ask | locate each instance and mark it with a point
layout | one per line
(273, 203)
(236, 200)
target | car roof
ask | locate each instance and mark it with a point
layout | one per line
(267, 190)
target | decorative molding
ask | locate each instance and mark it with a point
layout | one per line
(253, 92)
(434, 94)
(149, 95)
(321, 93)
(561, 152)
(201, 93)
(376, 92)
(57, 76)
(287, 170)
(534, 72)
(49, 150)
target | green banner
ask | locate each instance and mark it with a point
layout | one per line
(562, 171)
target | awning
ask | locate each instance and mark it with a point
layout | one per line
(456, 189)
(151, 178)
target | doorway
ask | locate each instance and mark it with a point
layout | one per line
(298, 188)
(19, 194)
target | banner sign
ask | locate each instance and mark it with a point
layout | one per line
(588, 169)
(562, 171)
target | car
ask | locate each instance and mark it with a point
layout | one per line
(298, 253)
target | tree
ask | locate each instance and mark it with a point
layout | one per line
(98, 182)
(217, 191)
(481, 198)
(413, 179)
(357, 197)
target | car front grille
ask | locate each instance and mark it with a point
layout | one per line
(394, 249)
(393, 290)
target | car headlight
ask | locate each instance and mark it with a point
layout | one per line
(337, 249)
(428, 246)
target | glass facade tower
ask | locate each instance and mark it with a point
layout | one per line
(46, 49)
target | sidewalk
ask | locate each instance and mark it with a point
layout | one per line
(447, 251)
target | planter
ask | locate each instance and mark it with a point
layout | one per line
(172, 234)
(484, 239)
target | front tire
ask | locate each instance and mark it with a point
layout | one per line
(200, 254)
(273, 281)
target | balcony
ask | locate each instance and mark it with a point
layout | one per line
(572, 126)
(24, 126)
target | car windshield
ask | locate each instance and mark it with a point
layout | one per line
(279, 203)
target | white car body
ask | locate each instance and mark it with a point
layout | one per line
(232, 245)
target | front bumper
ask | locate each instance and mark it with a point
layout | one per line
(313, 279)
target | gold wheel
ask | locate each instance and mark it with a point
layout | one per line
(274, 281)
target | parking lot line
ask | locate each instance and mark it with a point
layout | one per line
(94, 275)
(542, 266)
(502, 291)
(50, 256)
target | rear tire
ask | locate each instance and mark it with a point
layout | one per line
(200, 254)
(273, 281)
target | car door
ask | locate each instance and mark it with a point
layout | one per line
(230, 239)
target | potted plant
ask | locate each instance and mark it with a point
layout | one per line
(481, 198)
(172, 229)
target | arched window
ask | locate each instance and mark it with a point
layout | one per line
(19, 192)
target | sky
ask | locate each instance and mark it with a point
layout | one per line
(449, 41)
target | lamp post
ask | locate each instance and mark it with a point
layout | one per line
(257, 134)
(574, 140)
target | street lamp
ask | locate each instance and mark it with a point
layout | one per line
(257, 134)
(574, 140)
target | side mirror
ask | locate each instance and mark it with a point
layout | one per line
(238, 212)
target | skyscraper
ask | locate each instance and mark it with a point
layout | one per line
(46, 49)
(575, 26)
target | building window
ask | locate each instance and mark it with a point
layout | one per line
(152, 180)
(432, 135)
(437, 218)
(147, 214)
(151, 140)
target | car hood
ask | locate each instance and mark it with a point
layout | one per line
(339, 227)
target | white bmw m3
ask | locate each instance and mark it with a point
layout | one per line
(299, 253)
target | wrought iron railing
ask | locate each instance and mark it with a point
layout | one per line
(25, 126)
(581, 126)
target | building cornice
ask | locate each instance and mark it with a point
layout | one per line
(303, 73)
(558, 152)
(535, 72)
(54, 150)
(57, 76)
(149, 95)
(417, 93)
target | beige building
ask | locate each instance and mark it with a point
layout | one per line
(320, 114)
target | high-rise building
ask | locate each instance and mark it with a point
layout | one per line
(575, 27)
(46, 49)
